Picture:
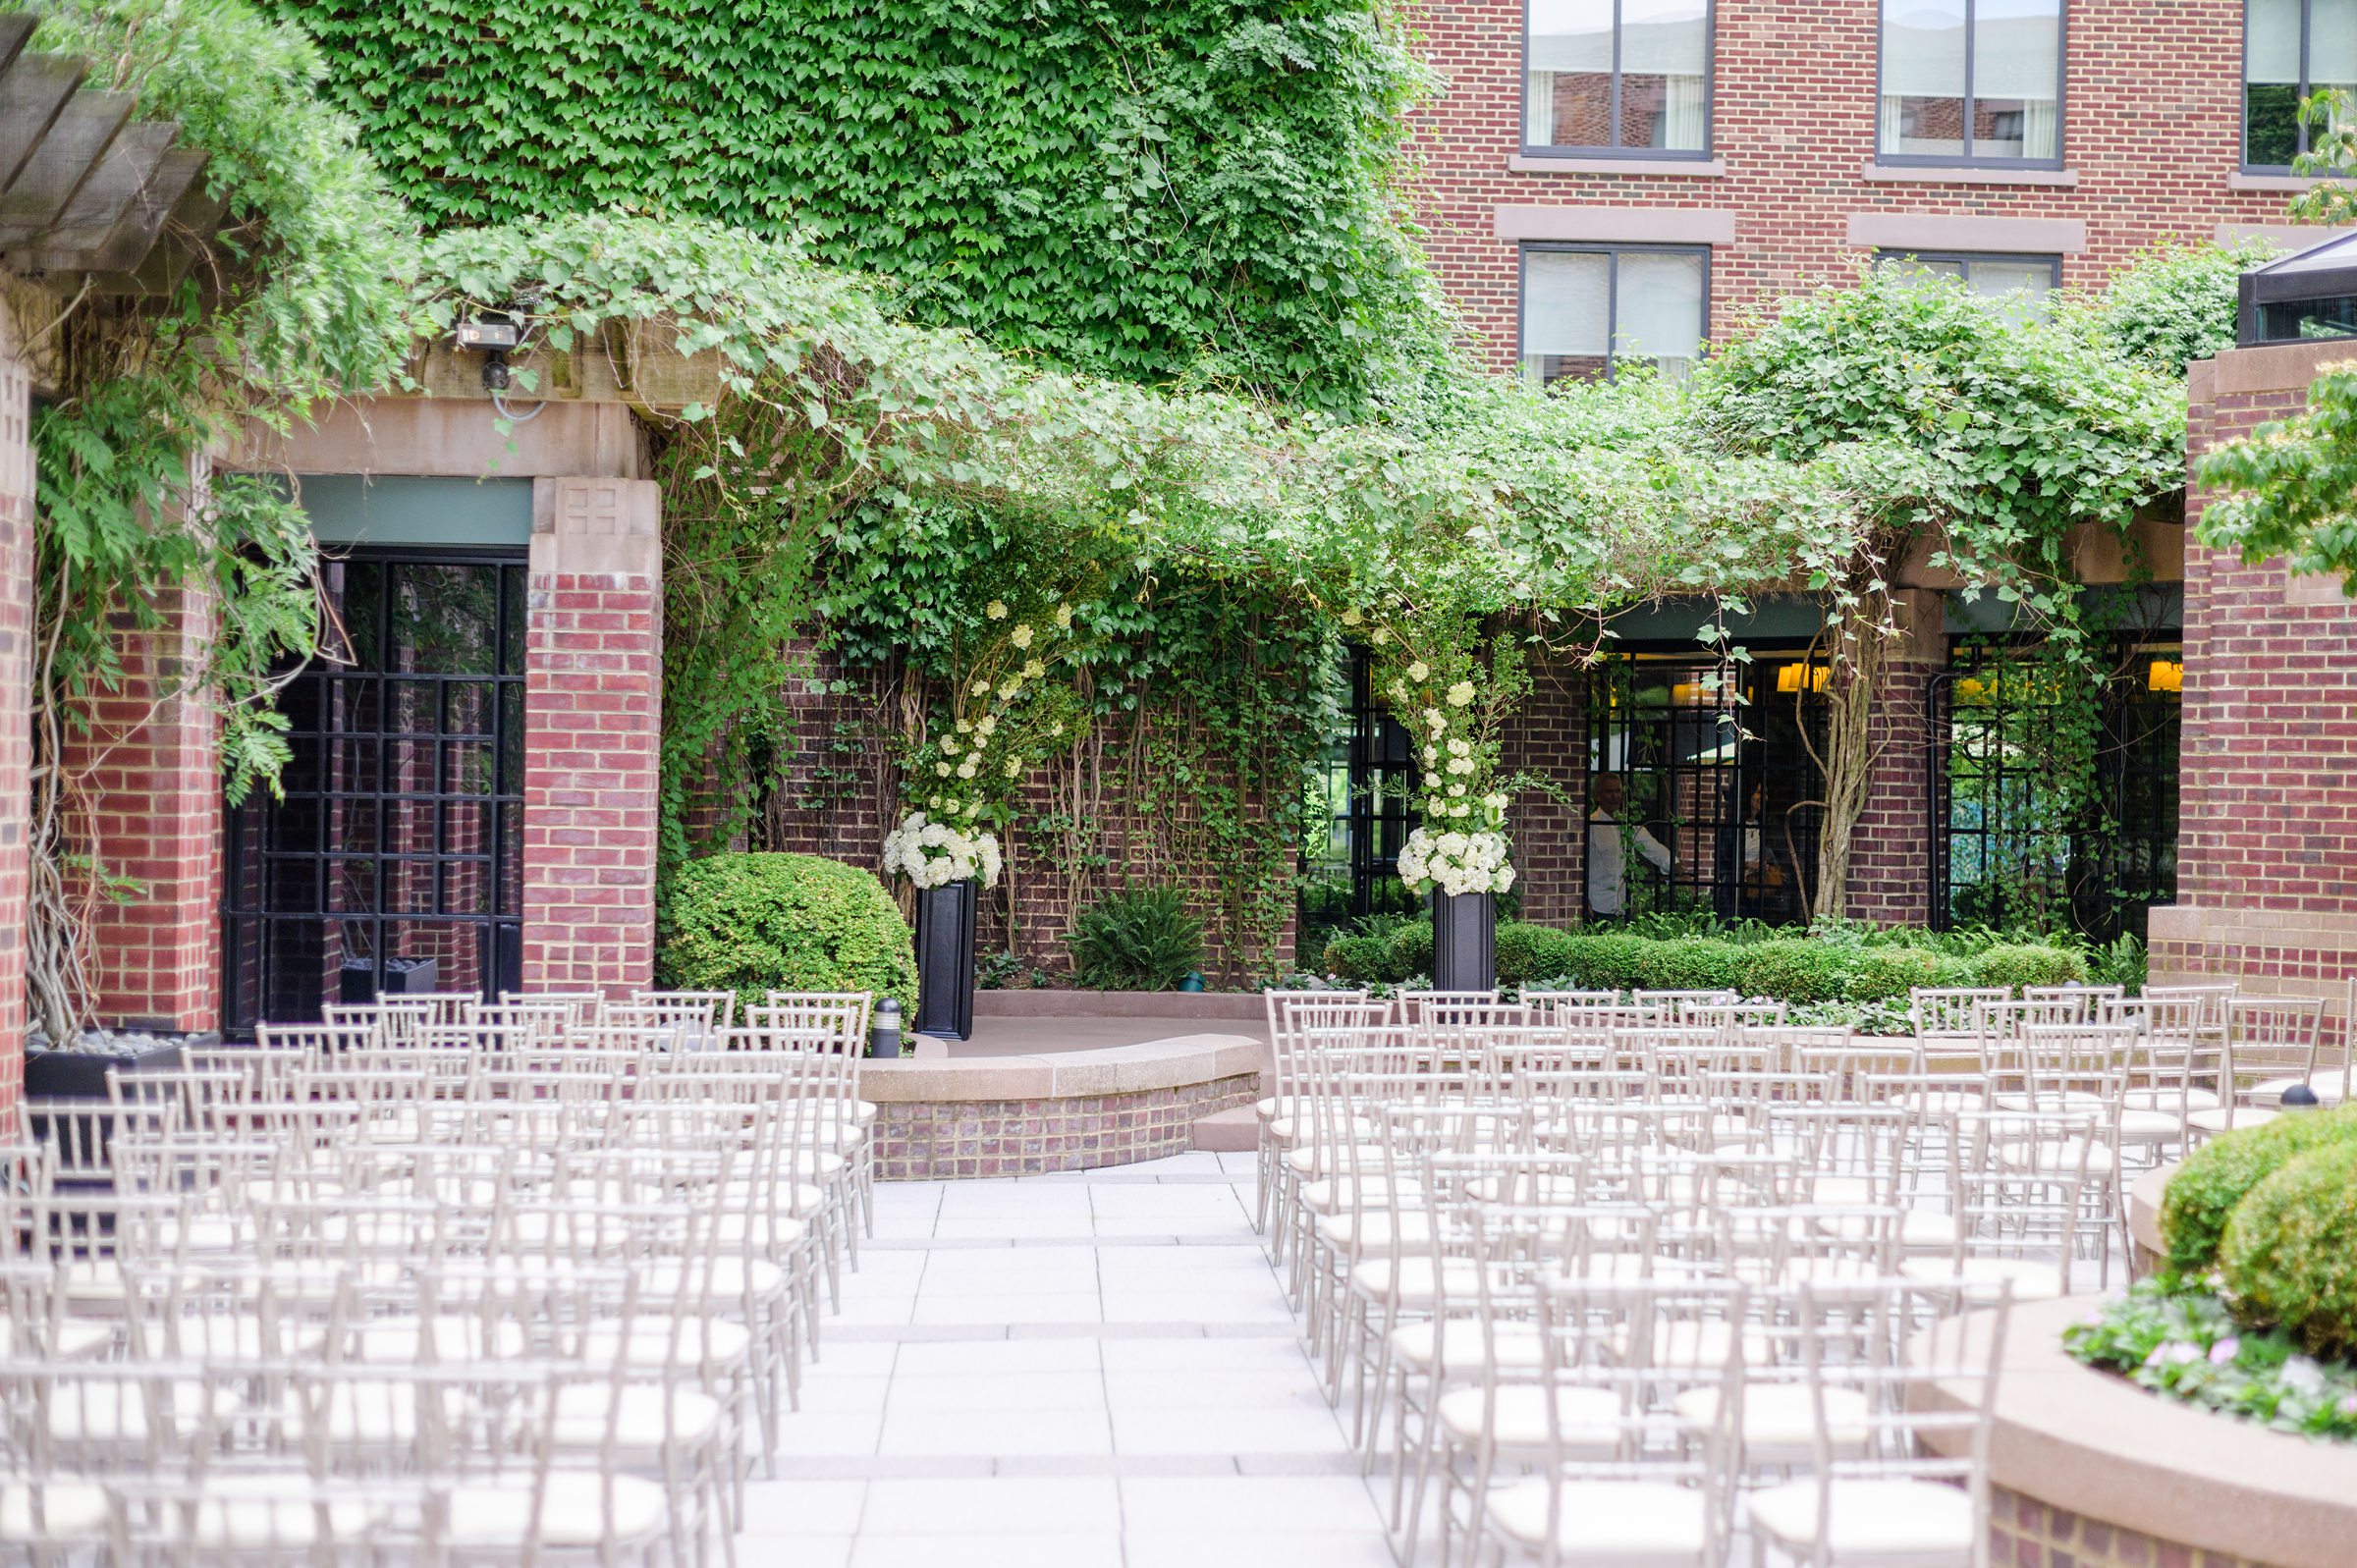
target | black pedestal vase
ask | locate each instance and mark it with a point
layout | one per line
(945, 959)
(1465, 940)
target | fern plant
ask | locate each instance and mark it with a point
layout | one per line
(1136, 938)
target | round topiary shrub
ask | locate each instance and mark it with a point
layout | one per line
(754, 923)
(2201, 1196)
(2027, 965)
(1358, 960)
(1412, 950)
(2289, 1252)
(1532, 954)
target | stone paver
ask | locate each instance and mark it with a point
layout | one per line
(1094, 1370)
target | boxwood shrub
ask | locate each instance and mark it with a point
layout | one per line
(2201, 1198)
(754, 923)
(2026, 964)
(2289, 1252)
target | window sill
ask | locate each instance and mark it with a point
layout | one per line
(1965, 175)
(2289, 183)
(1692, 168)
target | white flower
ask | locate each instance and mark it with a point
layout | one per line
(1399, 692)
(1419, 671)
(988, 724)
(1380, 635)
(1014, 769)
(1432, 781)
(1461, 764)
(1496, 802)
(1459, 748)
(965, 769)
(996, 610)
(1456, 862)
(933, 855)
(1434, 718)
(966, 725)
(1010, 685)
(950, 746)
(941, 769)
(1020, 636)
(1033, 670)
(1352, 616)
(980, 685)
(1461, 694)
(1063, 618)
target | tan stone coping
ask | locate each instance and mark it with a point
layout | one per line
(2101, 1448)
(1151, 1064)
(2143, 1208)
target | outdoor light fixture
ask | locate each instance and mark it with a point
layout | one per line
(1790, 678)
(493, 334)
(2166, 675)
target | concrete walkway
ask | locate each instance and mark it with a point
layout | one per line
(1085, 1371)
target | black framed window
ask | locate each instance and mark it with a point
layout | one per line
(1627, 78)
(1971, 82)
(1585, 307)
(2014, 841)
(1990, 274)
(2290, 49)
(1361, 810)
(1701, 795)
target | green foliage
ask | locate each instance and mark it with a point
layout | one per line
(2171, 306)
(2122, 961)
(2201, 1198)
(754, 923)
(301, 296)
(2285, 490)
(1797, 972)
(1409, 949)
(1136, 938)
(1361, 960)
(2024, 964)
(1149, 192)
(1699, 964)
(2181, 1342)
(2289, 1252)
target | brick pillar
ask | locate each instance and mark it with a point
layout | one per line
(593, 712)
(1549, 738)
(16, 698)
(1890, 856)
(2266, 836)
(150, 814)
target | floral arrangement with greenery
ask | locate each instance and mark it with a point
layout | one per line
(2178, 1336)
(1455, 704)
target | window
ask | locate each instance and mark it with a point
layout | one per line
(1989, 275)
(2291, 49)
(1972, 82)
(1363, 808)
(1618, 76)
(1584, 307)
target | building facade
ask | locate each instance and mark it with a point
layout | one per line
(1604, 178)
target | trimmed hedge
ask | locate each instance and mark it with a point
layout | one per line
(2201, 1198)
(754, 923)
(2289, 1252)
(1796, 969)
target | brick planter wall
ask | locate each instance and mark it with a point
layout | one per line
(937, 1140)
(2024, 1533)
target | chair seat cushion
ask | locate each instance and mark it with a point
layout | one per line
(1623, 1523)
(1983, 1278)
(2145, 1126)
(636, 1415)
(1586, 1419)
(2167, 1099)
(1870, 1518)
(69, 1508)
(1413, 1278)
(574, 1512)
(1780, 1418)
(1461, 1346)
(1377, 1228)
(2330, 1089)
(2230, 1118)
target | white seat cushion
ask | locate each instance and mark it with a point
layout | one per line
(1982, 1277)
(2330, 1089)
(1461, 1347)
(583, 1411)
(1622, 1522)
(2148, 1127)
(77, 1337)
(1588, 1418)
(2167, 1099)
(726, 1278)
(2231, 1119)
(253, 1513)
(572, 1512)
(1377, 1228)
(1377, 1279)
(1870, 1518)
(661, 1342)
(2060, 1155)
(1359, 1157)
(1686, 1343)
(69, 1508)
(1780, 1418)
(117, 1412)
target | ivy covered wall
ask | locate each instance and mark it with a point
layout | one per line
(1149, 189)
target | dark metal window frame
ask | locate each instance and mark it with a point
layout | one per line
(1970, 159)
(1710, 102)
(1378, 804)
(1966, 258)
(1612, 297)
(501, 927)
(2120, 773)
(2300, 126)
(1746, 724)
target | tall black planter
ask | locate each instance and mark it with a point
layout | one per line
(1465, 940)
(945, 960)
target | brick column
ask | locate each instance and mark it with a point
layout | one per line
(16, 698)
(1889, 857)
(593, 712)
(1549, 738)
(150, 776)
(2266, 838)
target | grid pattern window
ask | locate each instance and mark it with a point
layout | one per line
(1362, 810)
(2034, 827)
(2023, 282)
(1585, 308)
(1971, 82)
(393, 859)
(1701, 795)
(2290, 49)
(1617, 77)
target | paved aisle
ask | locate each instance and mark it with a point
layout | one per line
(1089, 1371)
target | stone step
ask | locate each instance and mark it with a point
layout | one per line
(1228, 1132)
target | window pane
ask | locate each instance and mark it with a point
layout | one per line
(1659, 316)
(1923, 77)
(2270, 94)
(1566, 301)
(2332, 46)
(2024, 285)
(2017, 76)
(1664, 54)
(1570, 74)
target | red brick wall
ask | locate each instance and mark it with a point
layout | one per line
(146, 776)
(2266, 854)
(1548, 739)
(1890, 855)
(592, 733)
(16, 729)
(2152, 129)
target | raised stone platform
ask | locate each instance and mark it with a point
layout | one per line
(2093, 1471)
(1024, 1114)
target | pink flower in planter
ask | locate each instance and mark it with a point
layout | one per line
(2224, 1350)
(2174, 1353)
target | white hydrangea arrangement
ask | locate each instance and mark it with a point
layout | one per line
(933, 855)
(1454, 706)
